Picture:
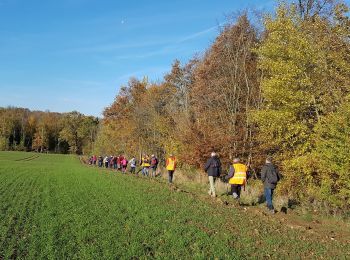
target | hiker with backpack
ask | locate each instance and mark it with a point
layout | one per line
(270, 176)
(154, 165)
(237, 177)
(213, 168)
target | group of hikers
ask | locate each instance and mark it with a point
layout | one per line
(148, 164)
(236, 177)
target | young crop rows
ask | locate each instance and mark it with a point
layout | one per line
(52, 207)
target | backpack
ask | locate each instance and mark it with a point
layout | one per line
(154, 161)
(215, 163)
(272, 178)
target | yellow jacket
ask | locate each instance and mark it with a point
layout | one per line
(145, 162)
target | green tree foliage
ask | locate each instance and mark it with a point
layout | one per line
(287, 59)
(79, 131)
(332, 146)
(305, 64)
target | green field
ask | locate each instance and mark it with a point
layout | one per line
(53, 207)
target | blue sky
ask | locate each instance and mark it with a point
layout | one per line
(64, 55)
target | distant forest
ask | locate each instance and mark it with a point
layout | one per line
(25, 130)
(279, 86)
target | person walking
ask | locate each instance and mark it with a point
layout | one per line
(124, 163)
(119, 162)
(115, 163)
(110, 161)
(270, 176)
(133, 163)
(105, 161)
(100, 161)
(237, 177)
(213, 168)
(154, 165)
(171, 166)
(145, 164)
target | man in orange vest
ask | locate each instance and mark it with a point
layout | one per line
(237, 177)
(170, 166)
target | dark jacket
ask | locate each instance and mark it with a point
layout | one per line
(269, 172)
(213, 166)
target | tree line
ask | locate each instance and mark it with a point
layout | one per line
(25, 130)
(281, 89)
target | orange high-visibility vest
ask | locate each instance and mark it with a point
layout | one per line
(171, 162)
(240, 176)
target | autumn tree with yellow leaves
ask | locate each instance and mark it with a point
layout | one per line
(305, 60)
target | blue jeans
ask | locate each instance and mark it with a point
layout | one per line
(145, 171)
(268, 196)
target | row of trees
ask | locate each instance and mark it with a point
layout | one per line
(282, 90)
(200, 106)
(25, 130)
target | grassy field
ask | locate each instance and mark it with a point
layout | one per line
(52, 207)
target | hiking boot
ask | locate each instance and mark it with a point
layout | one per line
(271, 211)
